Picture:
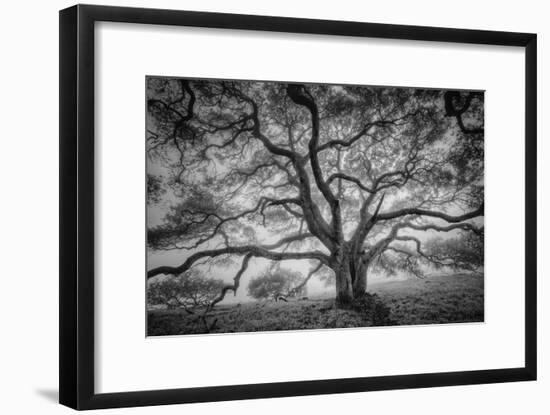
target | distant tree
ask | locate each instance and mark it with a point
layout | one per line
(277, 282)
(188, 291)
(332, 174)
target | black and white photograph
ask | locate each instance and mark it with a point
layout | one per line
(286, 206)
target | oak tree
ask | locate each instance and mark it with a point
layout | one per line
(336, 175)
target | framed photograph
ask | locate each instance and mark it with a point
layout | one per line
(258, 207)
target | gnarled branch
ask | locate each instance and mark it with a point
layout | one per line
(253, 250)
(434, 214)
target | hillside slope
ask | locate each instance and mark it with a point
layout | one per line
(437, 300)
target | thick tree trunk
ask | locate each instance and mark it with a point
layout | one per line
(360, 280)
(344, 288)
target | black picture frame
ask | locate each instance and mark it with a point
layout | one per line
(76, 281)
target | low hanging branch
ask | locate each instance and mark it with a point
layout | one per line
(252, 250)
(420, 253)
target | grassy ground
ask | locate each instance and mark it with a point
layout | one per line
(445, 299)
(449, 299)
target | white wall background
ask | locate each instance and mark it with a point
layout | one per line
(28, 212)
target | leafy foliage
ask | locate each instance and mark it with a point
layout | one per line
(155, 190)
(465, 251)
(275, 282)
(187, 291)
